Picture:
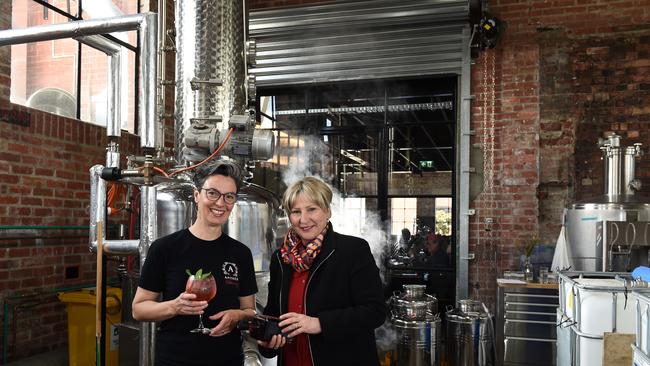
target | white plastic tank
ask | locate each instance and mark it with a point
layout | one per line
(593, 304)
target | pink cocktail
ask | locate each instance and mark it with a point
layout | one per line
(204, 287)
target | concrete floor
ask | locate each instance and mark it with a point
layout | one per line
(53, 358)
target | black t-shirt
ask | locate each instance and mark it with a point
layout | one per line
(231, 264)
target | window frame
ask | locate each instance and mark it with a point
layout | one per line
(79, 62)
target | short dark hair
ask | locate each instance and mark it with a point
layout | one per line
(219, 167)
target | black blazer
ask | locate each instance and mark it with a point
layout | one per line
(344, 292)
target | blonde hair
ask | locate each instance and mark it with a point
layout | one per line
(314, 188)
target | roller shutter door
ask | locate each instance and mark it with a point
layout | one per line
(352, 40)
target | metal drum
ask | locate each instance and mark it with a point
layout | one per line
(414, 317)
(470, 335)
(413, 303)
(418, 341)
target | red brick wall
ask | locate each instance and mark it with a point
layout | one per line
(43, 181)
(566, 71)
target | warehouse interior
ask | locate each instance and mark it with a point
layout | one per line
(512, 133)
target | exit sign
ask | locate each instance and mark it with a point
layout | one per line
(426, 163)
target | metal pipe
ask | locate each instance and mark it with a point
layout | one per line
(148, 26)
(97, 204)
(630, 184)
(71, 29)
(462, 170)
(147, 91)
(629, 169)
(112, 154)
(162, 66)
(118, 247)
(97, 213)
(613, 171)
(114, 82)
(611, 147)
(148, 233)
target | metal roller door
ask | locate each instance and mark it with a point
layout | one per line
(353, 40)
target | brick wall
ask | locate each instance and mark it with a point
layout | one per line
(566, 71)
(44, 181)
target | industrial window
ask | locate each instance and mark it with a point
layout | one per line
(341, 131)
(63, 76)
(349, 214)
(443, 215)
(403, 213)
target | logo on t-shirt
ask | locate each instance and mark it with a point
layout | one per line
(230, 273)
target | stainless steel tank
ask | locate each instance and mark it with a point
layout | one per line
(210, 65)
(470, 335)
(257, 221)
(585, 221)
(584, 230)
(176, 207)
(415, 320)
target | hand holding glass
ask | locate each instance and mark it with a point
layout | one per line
(205, 288)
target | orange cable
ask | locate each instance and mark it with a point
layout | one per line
(206, 159)
(161, 171)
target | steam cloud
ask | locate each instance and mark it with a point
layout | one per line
(307, 160)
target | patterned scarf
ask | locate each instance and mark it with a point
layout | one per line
(298, 255)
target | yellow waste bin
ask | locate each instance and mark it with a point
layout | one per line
(81, 325)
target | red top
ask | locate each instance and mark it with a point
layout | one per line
(297, 352)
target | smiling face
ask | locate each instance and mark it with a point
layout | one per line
(307, 218)
(214, 213)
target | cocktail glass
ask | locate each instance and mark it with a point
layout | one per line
(205, 288)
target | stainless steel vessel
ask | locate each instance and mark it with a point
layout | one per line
(590, 248)
(254, 221)
(470, 335)
(415, 319)
(257, 221)
(175, 205)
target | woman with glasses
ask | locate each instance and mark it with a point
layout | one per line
(162, 296)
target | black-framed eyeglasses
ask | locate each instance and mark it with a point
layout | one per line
(214, 195)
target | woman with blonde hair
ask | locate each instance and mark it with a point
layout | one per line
(324, 287)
